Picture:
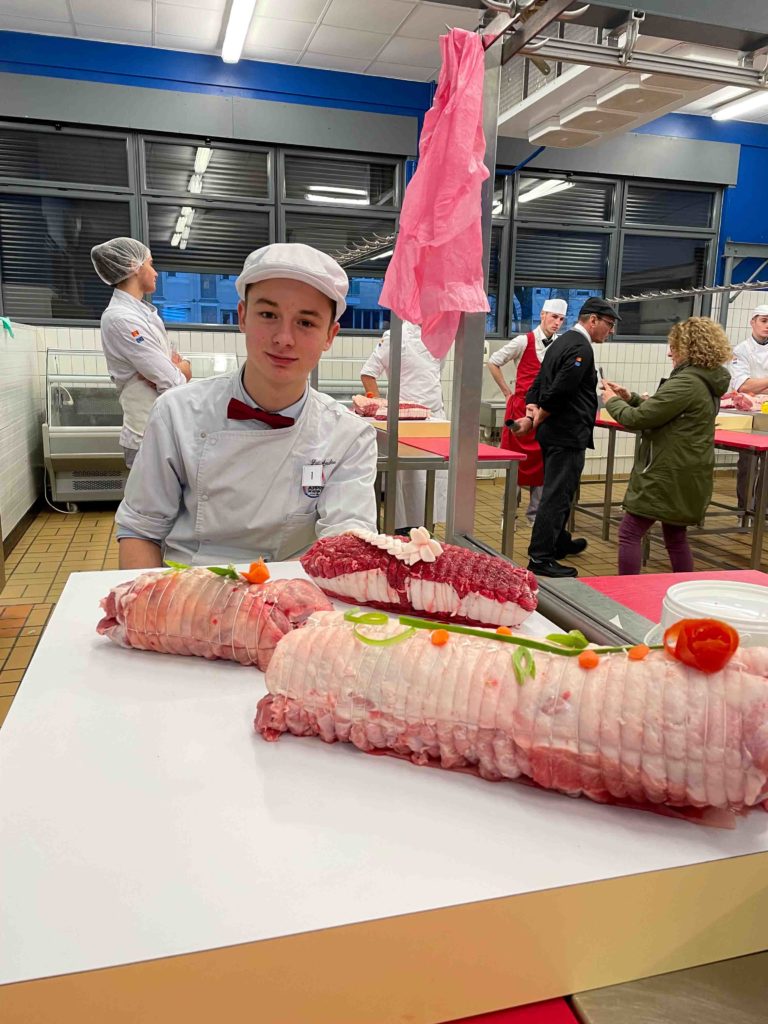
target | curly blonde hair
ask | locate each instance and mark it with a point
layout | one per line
(700, 342)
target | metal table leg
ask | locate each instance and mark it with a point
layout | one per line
(758, 520)
(510, 508)
(607, 500)
(429, 502)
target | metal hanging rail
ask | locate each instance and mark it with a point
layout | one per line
(682, 293)
(365, 249)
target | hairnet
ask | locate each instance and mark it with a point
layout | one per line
(118, 258)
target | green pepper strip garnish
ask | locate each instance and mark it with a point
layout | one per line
(230, 572)
(520, 641)
(387, 641)
(524, 665)
(177, 566)
(366, 618)
(574, 638)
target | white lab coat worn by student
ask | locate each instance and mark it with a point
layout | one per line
(138, 355)
(214, 490)
(419, 382)
(750, 362)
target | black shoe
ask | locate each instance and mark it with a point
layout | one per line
(549, 567)
(573, 547)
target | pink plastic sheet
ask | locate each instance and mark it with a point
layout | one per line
(436, 272)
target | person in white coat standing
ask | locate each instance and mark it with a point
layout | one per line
(749, 373)
(255, 463)
(419, 382)
(140, 359)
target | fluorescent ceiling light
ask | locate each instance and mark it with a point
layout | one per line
(183, 243)
(333, 188)
(383, 255)
(544, 188)
(180, 223)
(335, 199)
(202, 159)
(176, 239)
(195, 184)
(747, 105)
(188, 212)
(240, 15)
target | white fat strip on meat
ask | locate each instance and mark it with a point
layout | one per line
(651, 731)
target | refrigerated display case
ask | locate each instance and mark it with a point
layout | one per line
(81, 432)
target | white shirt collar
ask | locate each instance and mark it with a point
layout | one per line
(293, 410)
(762, 344)
(125, 298)
(580, 327)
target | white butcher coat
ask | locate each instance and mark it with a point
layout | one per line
(420, 383)
(750, 361)
(135, 344)
(212, 490)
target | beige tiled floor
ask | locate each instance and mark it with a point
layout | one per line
(56, 545)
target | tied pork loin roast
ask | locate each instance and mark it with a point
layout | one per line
(197, 612)
(651, 732)
(377, 408)
(441, 581)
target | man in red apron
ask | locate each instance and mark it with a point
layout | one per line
(527, 351)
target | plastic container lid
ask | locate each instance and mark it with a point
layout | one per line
(743, 605)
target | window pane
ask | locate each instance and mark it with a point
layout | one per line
(561, 259)
(528, 300)
(494, 277)
(561, 201)
(54, 156)
(347, 183)
(669, 206)
(45, 255)
(659, 263)
(206, 170)
(197, 274)
(333, 234)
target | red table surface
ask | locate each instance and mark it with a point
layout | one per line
(551, 1011)
(738, 439)
(442, 446)
(644, 594)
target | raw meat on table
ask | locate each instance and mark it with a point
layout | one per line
(640, 732)
(455, 584)
(195, 611)
(377, 408)
(742, 401)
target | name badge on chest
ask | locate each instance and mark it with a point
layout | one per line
(312, 480)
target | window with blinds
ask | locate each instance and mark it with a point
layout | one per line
(565, 200)
(683, 208)
(199, 251)
(207, 170)
(659, 262)
(45, 255)
(561, 259)
(53, 156)
(343, 183)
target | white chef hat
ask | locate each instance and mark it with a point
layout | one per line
(759, 311)
(299, 263)
(118, 258)
(559, 306)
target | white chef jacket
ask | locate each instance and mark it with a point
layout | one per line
(419, 382)
(512, 351)
(750, 361)
(419, 370)
(135, 343)
(212, 490)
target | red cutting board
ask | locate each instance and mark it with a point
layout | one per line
(442, 446)
(551, 1011)
(644, 594)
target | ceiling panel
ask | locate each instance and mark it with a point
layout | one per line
(205, 5)
(46, 28)
(428, 21)
(271, 53)
(136, 14)
(422, 52)
(105, 34)
(405, 71)
(173, 20)
(291, 10)
(346, 42)
(279, 35)
(201, 43)
(44, 10)
(383, 16)
(322, 60)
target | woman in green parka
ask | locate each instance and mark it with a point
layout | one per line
(672, 478)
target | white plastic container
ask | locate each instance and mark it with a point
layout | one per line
(742, 605)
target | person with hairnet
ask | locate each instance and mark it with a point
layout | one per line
(140, 359)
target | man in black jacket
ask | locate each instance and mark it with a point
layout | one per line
(562, 405)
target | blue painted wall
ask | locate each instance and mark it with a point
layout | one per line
(745, 208)
(58, 57)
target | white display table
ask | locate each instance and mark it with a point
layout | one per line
(143, 820)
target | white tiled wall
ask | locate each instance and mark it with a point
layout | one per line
(20, 436)
(739, 313)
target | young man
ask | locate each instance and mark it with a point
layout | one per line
(139, 356)
(562, 405)
(255, 463)
(749, 373)
(420, 383)
(527, 352)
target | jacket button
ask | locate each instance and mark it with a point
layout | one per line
(203, 497)
(203, 434)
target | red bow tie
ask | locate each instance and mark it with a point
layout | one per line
(237, 410)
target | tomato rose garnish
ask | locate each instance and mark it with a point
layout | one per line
(705, 644)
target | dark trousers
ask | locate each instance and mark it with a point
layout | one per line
(562, 472)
